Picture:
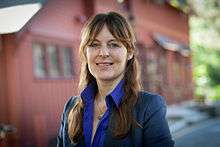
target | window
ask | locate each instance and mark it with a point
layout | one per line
(177, 70)
(52, 61)
(66, 56)
(39, 59)
(163, 68)
(177, 78)
(152, 72)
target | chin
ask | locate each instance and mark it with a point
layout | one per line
(108, 77)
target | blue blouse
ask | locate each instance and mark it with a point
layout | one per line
(88, 96)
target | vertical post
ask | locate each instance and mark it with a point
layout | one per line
(12, 87)
(170, 76)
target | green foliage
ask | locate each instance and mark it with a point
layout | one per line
(214, 74)
(204, 38)
(206, 58)
(215, 93)
(180, 4)
(208, 10)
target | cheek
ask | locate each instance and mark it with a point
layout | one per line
(121, 56)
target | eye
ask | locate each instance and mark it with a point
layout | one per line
(113, 45)
(94, 45)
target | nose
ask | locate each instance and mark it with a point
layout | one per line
(104, 52)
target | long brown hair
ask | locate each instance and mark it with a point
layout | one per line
(122, 119)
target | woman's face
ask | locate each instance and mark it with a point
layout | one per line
(106, 57)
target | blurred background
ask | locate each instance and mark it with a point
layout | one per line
(179, 51)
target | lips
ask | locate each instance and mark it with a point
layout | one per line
(104, 63)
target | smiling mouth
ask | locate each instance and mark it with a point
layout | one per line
(104, 64)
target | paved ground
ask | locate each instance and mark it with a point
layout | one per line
(203, 134)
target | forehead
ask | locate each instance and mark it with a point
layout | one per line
(104, 35)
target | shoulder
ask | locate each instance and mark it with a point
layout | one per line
(63, 137)
(150, 99)
(148, 103)
(70, 104)
(151, 115)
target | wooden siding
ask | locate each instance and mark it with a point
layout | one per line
(3, 86)
(34, 106)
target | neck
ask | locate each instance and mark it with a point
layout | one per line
(105, 87)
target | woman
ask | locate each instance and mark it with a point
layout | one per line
(111, 110)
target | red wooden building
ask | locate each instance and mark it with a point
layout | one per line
(39, 64)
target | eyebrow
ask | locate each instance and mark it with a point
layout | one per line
(112, 40)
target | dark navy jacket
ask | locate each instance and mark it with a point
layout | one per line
(149, 112)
